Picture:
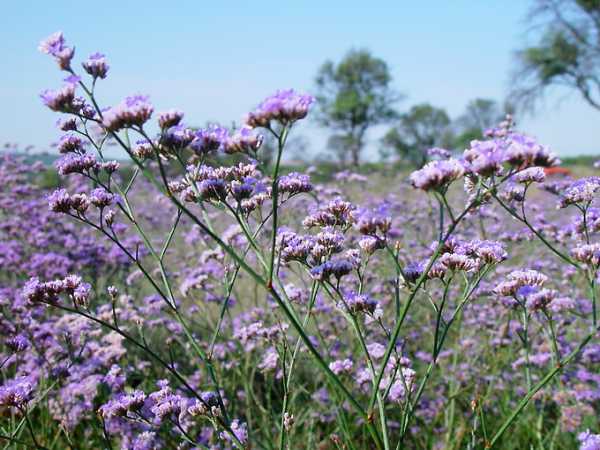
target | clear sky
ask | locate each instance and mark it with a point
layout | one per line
(216, 60)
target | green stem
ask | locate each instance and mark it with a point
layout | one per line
(287, 386)
(396, 332)
(536, 232)
(275, 194)
(549, 376)
(525, 318)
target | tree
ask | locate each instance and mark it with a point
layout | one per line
(480, 114)
(423, 127)
(567, 52)
(352, 97)
(483, 113)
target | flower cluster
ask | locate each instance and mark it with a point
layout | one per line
(242, 184)
(588, 254)
(437, 174)
(132, 111)
(285, 107)
(123, 404)
(519, 279)
(588, 441)
(60, 201)
(96, 65)
(61, 100)
(54, 45)
(16, 392)
(209, 139)
(360, 303)
(580, 192)
(36, 291)
(337, 212)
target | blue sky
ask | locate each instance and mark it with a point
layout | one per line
(216, 60)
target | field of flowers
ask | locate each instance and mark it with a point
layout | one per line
(192, 297)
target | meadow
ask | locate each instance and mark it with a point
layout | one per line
(193, 296)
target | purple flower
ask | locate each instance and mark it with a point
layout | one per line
(79, 202)
(242, 190)
(96, 65)
(458, 262)
(484, 158)
(294, 183)
(47, 292)
(146, 440)
(294, 247)
(70, 143)
(341, 366)
(337, 268)
(213, 189)
(399, 387)
(369, 223)
(336, 213)
(115, 379)
(17, 343)
(123, 404)
(490, 252)
(376, 350)
(16, 392)
(242, 141)
(285, 106)
(327, 242)
(69, 124)
(75, 163)
(531, 175)
(35, 291)
(513, 192)
(580, 191)
(589, 441)
(369, 244)
(110, 166)
(561, 304)
(81, 294)
(177, 137)
(54, 45)
(133, 111)
(61, 100)
(209, 139)
(437, 174)
(143, 150)
(101, 198)
(397, 391)
(518, 279)
(539, 299)
(59, 201)
(170, 118)
(269, 360)
(166, 404)
(523, 151)
(439, 152)
(360, 304)
(587, 253)
(240, 431)
(413, 271)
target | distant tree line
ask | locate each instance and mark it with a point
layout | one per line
(355, 95)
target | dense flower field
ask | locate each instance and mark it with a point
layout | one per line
(193, 297)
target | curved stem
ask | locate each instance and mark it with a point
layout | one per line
(536, 232)
(549, 376)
